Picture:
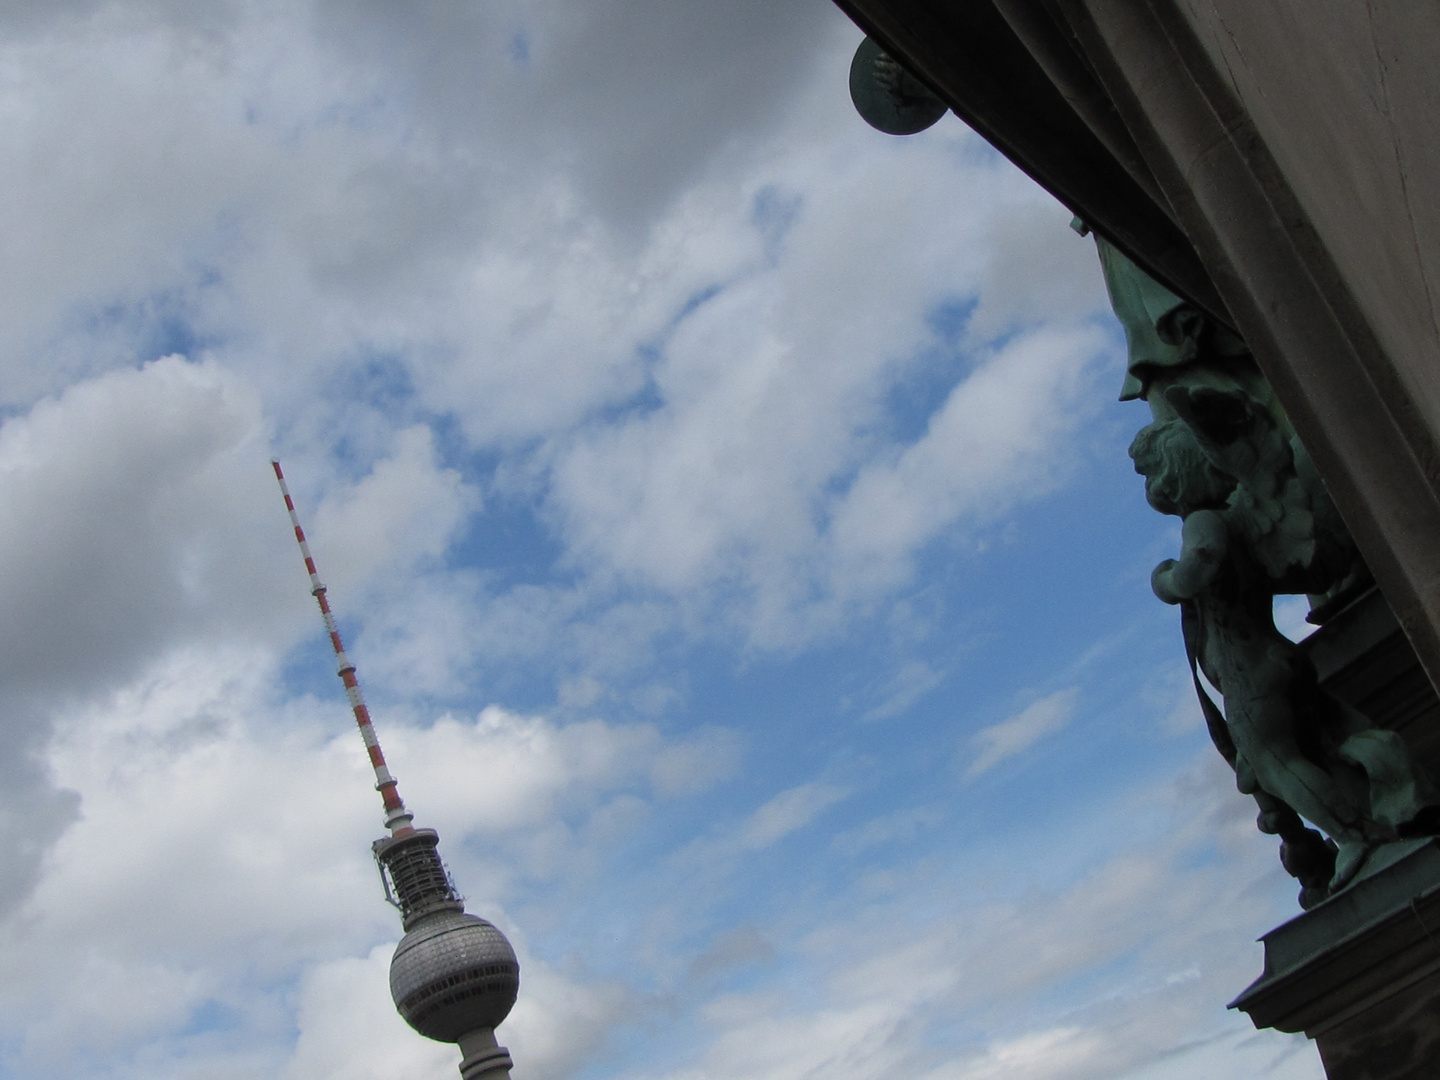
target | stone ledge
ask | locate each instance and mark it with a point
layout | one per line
(1371, 942)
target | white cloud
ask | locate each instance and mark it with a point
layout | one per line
(222, 851)
(503, 771)
(1122, 973)
(348, 1027)
(1183, 713)
(1059, 1052)
(764, 411)
(130, 501)
(786, 813)
(1239, 1053)
(1036, 273)
(708, 756)
(909, 684)
(561, 1025)
(404, 511)
(1021, 731)
(331, 230)
(993, 443)
(136, 513)
(896, 827)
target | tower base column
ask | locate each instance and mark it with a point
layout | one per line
(484, 1057)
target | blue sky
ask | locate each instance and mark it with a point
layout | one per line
(727, 507)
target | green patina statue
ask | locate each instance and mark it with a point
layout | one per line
(1221, 455)
(1291, 740)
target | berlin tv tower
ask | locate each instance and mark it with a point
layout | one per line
(454, 977)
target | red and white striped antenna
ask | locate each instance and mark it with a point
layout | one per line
(397, 818)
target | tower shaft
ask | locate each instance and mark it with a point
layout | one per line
(454, 976)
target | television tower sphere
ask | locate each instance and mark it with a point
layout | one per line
(453, 974)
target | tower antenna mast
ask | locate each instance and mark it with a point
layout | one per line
(454, 977)
(397, 818)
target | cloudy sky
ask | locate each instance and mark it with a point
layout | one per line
(726, 505)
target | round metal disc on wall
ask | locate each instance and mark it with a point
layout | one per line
(887, 96)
